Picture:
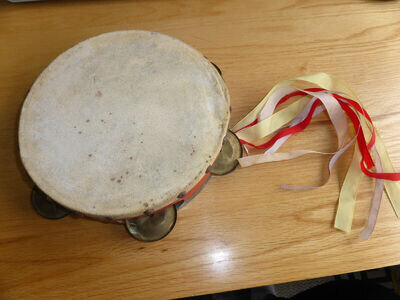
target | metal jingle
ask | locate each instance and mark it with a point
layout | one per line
(153, 227)
(47, 207)
(231, 151)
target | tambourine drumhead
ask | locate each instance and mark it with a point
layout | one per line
(123, 123)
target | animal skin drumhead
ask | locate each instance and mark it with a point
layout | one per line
(123, 124)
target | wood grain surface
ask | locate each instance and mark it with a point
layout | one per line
(242, 230)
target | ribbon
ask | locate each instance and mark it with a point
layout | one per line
(266, 128)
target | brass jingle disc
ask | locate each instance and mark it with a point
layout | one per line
(47, 207)
(231, 151)
(153, 227)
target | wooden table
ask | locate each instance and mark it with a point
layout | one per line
(242, 230)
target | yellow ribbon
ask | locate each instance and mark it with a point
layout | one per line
(259, 132)
(266, 127)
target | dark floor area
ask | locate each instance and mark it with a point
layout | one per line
(383, 283)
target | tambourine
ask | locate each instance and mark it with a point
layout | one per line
(126, 127)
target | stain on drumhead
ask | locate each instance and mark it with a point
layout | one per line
(128, 102)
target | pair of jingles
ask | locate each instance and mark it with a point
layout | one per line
(128, 126)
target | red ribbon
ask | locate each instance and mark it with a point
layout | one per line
(347, 105)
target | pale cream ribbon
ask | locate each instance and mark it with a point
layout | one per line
(338, 118)
(349, 189)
